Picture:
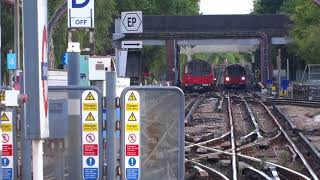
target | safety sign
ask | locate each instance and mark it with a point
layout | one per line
(132, 138)
(132, 97)
(90, 97)
(132, 173)
(5, 161)
(7, 173)
(132, 162)
(132, 150)
(90, 149)
(132, 135)
(5, 138)
(90, 138)
(91, 161)
(7, 150)
(4, 117)
(132, 117)
(90, 117)
(90, 173)
(7, 145)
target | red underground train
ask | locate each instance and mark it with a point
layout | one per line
(235, 76)
(198, 75)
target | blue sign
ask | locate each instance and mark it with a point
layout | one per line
(90, 173)
(91, 161)
(132, 173)
(285, 84)
(5, 161)
(64, 59)
(79, 5)
(7, 173)
(269, 81)
(132, 161)
(11, 61)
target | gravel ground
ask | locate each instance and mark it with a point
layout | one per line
(300, 117)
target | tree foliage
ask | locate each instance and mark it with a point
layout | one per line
(306, 30)
(267, 6)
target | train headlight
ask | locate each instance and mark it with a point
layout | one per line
(227, 79)
(243, 78)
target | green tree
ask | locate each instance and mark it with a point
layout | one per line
(306, 29)
(267, 6)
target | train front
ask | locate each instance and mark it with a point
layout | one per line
(198, 75)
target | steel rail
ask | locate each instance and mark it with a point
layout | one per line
(208, 141)
(304, 161)
(233, 143)
(208, 168)
(256, 160)
(260, 173)
(193, 108)
(253, 119)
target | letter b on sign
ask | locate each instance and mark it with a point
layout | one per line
(79, 4)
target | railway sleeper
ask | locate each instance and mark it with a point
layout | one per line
(199, 173)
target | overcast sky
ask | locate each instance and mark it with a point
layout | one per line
(226, 6)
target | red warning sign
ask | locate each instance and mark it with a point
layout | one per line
(6, 149)
(90, 149)
(132, 150)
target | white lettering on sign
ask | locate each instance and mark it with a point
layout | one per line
(131, 22)
(80, 13)
(132, 150)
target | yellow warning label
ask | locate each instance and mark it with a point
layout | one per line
(132, 97)
(132, 127)
(90, 97)
(4, 117)
(90, 127)
(90, 107)
(2, 96)
(132, 107)
(6, 127)
(90, 117)
(132, 117)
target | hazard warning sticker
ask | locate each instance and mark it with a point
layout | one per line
(90, 134)
(132, 135)
(90, 97)
(132, 97)
(132, 117)
(90, 117)
(4, 117)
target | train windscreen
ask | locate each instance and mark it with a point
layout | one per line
(235, 70)
(198, 68)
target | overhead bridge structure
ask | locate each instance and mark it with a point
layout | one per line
(174, 31)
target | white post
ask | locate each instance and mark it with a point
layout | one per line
(37, 159)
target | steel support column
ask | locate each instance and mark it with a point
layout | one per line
(171, 51)
(265, 58)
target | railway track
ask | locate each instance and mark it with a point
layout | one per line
(229, 155)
